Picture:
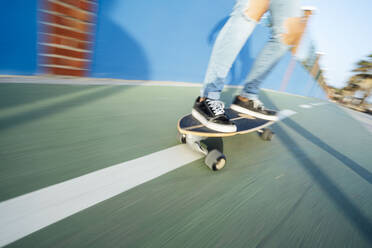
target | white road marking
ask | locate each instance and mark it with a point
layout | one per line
(285, 113)
(28, 213)
(90, 81)
(31, 212)
(318, 103)
(278, 177)
(305, 106)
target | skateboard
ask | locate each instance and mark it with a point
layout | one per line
(209, 142)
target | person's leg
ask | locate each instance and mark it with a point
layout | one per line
(207, 109)
(265, 61)
(229, 42)
(287, 28)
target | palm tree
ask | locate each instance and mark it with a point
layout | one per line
(362, 79)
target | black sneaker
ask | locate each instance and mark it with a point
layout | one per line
(211, 114)
(254, 108)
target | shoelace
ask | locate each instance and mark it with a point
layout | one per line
(216, 106)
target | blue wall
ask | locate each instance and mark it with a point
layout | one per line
(164, 40)
(159, 40)
(171, 40)
(18, 42)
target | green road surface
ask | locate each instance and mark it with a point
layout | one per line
(311, 186)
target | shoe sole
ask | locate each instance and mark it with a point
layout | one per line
(239, 109)
(211, 125)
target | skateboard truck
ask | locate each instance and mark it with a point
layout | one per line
(214, 159)
(266, 134)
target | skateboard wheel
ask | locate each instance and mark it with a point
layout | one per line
(215, 160)
(267, 134)
(181, 138)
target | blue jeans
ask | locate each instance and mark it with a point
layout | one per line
(232, 38)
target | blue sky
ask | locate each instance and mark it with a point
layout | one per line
(343, 31)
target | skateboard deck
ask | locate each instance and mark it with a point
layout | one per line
(244, 123)
(209, 142)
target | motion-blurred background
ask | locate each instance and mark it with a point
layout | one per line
(169, 41)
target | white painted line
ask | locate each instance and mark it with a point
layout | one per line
(29, 213)
(318, 103)
(70, 80)
(305, 106)
(285, 113)
(277, 177)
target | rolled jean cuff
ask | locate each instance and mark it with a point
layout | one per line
(211, 95)
(250, 96)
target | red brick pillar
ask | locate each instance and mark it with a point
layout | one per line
(65, 36)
